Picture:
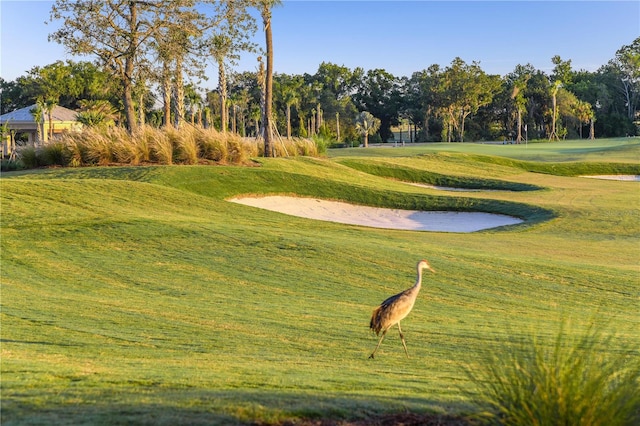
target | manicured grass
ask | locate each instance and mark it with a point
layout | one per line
(139, 295)
(623, 150)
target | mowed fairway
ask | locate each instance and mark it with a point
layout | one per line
(140, 296)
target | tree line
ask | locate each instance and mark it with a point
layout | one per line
(150, 65)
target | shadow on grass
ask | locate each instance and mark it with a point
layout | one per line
(225, 407)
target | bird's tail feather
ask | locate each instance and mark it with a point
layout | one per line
(376, 324)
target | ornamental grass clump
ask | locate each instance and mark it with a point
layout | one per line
(54, 154)
(148, 145)
(212, 146)
(162, 147)
(186, 145)
(591, 380)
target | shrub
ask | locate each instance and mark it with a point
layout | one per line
(143, 144)
(54, 153)
(188, 145)
(212, 145)
(78, 152)
(29, 156)
(322, 145)
(162, 147)
(236, 149)
(99, 146)
(7, 165)
(570, 381)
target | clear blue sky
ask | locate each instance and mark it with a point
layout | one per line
(399, 36)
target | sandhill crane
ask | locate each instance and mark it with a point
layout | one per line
(396, 308)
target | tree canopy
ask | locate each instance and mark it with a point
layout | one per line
(152, 53)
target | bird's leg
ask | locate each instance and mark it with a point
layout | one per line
(403, 342)
(378, 345)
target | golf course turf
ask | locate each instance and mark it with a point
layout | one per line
(141, 295)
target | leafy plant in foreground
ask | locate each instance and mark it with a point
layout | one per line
(580, 380)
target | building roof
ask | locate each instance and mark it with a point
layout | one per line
(24, 115)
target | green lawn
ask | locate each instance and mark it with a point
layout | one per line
(140, 296)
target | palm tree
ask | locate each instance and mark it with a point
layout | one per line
(290, 97)
(99, 113)
(520, 101)
(265, 12)
(554, 119)
(221, 47)
(367, 124)
(37, 112)
(584, 114)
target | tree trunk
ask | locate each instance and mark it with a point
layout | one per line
(519, 125)
(268, 100)
(553, 135)
(166, 88)
(319, 119)
(141, 112)
(462, 119)
(222, 84)
(130, 113)
(427, 113)
(592, 135)
(50, 118)
(180, 94)
(626, 89)
(288, 121)
(313, 122)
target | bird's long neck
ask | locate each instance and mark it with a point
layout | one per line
(418, 284)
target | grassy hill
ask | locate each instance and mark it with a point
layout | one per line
(139, 295)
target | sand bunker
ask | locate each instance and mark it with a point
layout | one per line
(632, 178)
(335, 211)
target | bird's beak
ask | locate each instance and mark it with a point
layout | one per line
(432, 270)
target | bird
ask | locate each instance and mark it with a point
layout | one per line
(394, 309)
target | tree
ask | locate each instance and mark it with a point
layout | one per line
(50, 83)
(519, 79)
(585, 115)
(290, 97)
(13, 95)
(367, 124)
(221, 49)
(627, 61)
(36, 112)
(179, 43)
(465, 88)
(229, 33)
(98, 113)
(116, 31)
(264, 6)
(379, 93)
(561, 76)
(421, 99)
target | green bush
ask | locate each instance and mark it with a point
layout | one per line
(54, 153)
(7, 165)
(581, 380)
(29, 157)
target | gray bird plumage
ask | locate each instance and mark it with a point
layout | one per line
(395, 308)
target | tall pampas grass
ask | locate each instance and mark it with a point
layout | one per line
(150, 145)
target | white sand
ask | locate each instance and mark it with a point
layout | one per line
(335, 211)
(632, 178)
